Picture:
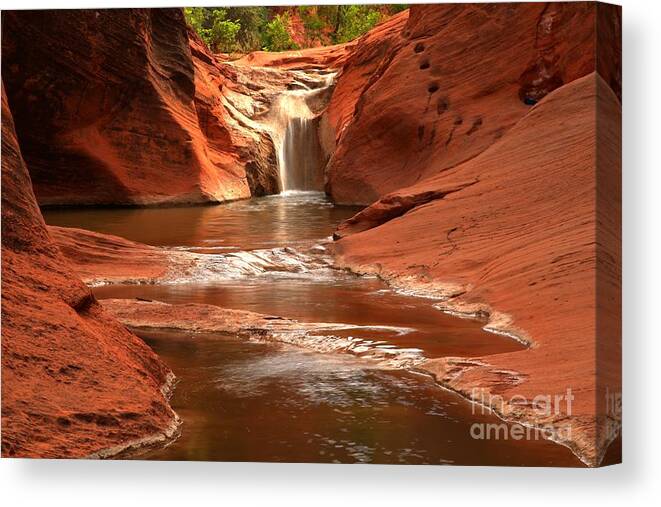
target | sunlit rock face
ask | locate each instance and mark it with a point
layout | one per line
(436, 89)
(512, 234)
(75, 382)
(106, 102)
(478, 150)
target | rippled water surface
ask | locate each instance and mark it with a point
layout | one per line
(250, 401)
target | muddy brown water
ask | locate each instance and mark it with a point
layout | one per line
(253, 401)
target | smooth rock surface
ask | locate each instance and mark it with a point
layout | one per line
(75, 382)
(421, 95)
(141, 315)
(516, 234)
(107, 102)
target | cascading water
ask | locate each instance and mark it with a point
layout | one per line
(300, 156)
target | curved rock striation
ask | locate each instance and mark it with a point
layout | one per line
(424, 93)
(75, 382)
(103, 258)
(368, 56)
(521, 233)
(319, 58)
(108, 101)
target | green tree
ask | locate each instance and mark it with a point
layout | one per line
(395, 8)
(198, 19)
(244, 29)
(355, 20)
(224, 32)
(214, 27)
(312, 22)
(252, 21)
(276, 35)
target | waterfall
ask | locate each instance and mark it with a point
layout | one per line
(300, 157)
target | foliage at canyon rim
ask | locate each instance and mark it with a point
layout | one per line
(245, 29)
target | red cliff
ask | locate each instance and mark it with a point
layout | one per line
(436, 89)
(75, 382)
(108, 101)
(516, 234)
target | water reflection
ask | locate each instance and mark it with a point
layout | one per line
(343, 299)
(244, 401)
(293, 219)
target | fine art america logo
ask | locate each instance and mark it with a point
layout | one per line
(543, 406)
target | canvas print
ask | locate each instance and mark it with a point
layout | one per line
(385, 234)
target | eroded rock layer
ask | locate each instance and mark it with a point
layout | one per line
(439, 87)
(144, 315)
(107, 102)
(75, 382)
(513, 234)
(102, 259)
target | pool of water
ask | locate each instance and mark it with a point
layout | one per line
(250, 401)
(294, 219)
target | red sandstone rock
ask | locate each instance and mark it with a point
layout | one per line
(443, 87)
(516, 233)
(112, 108)
(103, 258)
(141, 315)
(75, 382)
(369, 55)
(151, 315)
(320, 58)
(240, 147)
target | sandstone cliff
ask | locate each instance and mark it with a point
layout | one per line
(106, 102)
(75, 382)
(513, 234)
(437, 88)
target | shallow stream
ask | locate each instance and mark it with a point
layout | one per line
(253, 401)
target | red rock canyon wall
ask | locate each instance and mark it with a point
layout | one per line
(106, 102)
(75, 382)
(441, 86)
